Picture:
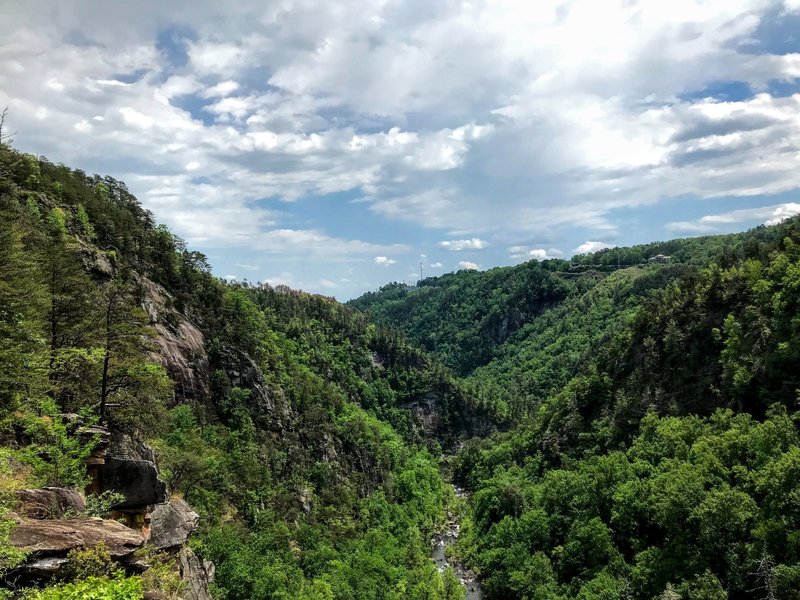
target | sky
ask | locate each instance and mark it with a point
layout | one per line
(337, 146)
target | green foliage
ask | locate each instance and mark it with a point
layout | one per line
(84, 563)
(99, 505)
(689, 505)
(464, 316)
(84, 223)
(118, 587)
(162, 575)
(10, 480)
(55, 456)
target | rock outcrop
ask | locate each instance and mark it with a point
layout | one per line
(136, 480)
(55, 538)
(50, 503)
(129, 469)
(171, 524)
(196, 574)
(425, 414)
(272, 410)
(180, 345)
(434, 416)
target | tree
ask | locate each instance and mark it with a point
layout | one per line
(125, 373)
(71, 314)
(22, 302)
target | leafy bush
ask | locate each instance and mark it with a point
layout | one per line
(118, 587)
(99, 505)
(84, 563)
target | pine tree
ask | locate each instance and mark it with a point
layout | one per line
(22, 301)
(125, 374)
(71, 314)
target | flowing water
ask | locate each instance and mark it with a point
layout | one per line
(440, 543)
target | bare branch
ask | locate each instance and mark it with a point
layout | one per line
(5, 138)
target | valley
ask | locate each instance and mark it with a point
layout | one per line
(611, 432)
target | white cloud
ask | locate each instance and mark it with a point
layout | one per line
(384, 261)
(231, 277)
(461, 245)
(285, 278)
(435, 265)
(768, 215)
(327, 284)
(527, 253)
(483, 118)
(589, 247)
(309, 241)
(468, 265)
(222, 89)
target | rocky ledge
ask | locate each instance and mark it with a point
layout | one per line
(51, 522)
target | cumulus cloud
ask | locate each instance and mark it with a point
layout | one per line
(285, 278)
(461, 245)
(468, 265)
(527, 253)
(435, 265)
(476, 118)
(309, 241)
(589, 247)
(768, 215)
(384, 261)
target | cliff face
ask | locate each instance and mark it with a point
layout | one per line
(179, 345)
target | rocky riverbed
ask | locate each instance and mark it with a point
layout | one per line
(447, 538)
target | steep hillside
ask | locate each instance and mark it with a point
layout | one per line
(666, 463)
(304, 437)
(462, 317)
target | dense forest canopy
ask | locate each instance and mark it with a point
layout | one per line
(656, 441)
(310, 478)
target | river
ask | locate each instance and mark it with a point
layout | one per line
(447, 538)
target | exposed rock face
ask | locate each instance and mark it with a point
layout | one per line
(137, 480)
(56, 538)
(425, 413)
(124, 445)
(180, 346)
(434, 417)
(50, 503)
(171, 524)
(196, 574)
(130, 470)
(46, 567)
(95, 260)
(245, 373)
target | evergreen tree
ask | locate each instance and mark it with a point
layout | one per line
(139, 385)
(71, 317)
(22, 301)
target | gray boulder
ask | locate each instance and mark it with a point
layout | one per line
(137, 480)
(50, 503)
(57, 537)
(197, 575)
(171, 524)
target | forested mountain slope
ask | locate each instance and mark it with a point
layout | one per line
(658, 444)
(304, 436)
(667, 463)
